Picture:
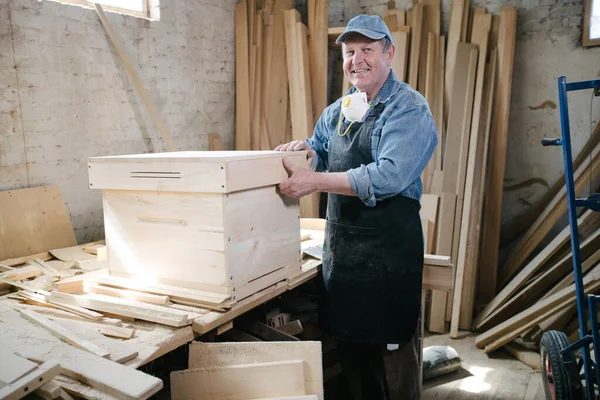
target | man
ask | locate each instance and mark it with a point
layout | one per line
(374, 144)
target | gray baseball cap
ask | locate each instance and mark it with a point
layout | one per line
(371, 26)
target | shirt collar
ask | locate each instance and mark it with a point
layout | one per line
(389, 88)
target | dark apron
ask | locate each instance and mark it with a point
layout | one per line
(373, 256)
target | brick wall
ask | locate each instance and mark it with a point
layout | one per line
(65, 95)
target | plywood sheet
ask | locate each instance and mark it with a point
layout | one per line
(32, 221)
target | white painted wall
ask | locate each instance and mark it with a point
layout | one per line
(65, 95)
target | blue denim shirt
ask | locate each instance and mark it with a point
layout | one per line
(403, 140)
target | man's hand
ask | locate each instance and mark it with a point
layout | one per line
(297, 145)
(301, 181)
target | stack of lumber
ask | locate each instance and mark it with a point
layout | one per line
(253, 370)
(281, 76)
(537, 292)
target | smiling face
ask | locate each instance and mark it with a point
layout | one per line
(366, 63)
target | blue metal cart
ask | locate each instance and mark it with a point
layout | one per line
(561, 367)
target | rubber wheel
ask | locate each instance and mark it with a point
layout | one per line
(555, 377)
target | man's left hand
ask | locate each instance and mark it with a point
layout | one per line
(301, 181)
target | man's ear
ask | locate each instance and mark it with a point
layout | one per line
(390, 54)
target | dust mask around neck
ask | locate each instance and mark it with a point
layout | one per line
(355, 106)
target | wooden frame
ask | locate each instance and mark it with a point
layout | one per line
(586, 29)
(145, 13)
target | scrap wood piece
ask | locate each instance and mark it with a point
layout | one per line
(33, 220)
(174, 292)
(126, 308)
(107, 330)
(31, 381)
(513, 327)
(22, 273)
(129, 294)
(80, 390)
(13, 262)
(13, 367)
(119, 352)
(39, 345)
(73, 253)
(49, 390)
(238, 382)
(95, 248)
(206, 355)
(64, 333)
(527, 272)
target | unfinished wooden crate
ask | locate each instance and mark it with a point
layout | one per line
(212, 221)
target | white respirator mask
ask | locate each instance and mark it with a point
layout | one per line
(355, 106)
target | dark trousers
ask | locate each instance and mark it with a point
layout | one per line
(371, 372)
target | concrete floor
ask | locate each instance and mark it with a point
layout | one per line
(497, 376)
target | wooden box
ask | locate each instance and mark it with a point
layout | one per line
(212, 221)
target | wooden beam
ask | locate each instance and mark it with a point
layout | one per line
(416, 26)
(454, 32)
(497, 156)
(317, 49)
(145, 96)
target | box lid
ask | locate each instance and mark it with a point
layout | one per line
(192, 171)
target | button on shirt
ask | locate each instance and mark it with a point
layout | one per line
(403, 140)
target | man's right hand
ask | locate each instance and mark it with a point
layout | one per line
(297, 145)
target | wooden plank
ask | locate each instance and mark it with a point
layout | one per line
(49, 390)
(12, 262)
(439, 117)
(33, 220)
(13, 367)
(131, 71)
(429, 90)
(39, 345)
(437, 316)
(129, 294)
(239, 382)
(19, 274)
(497, 157)
(527, 356)
(508, 300)
(415, 44)
(206, 355)
(401, 38)
(555, 210)
(317, 48)
(394, 18)
(486, 288)
(120, 332)
(430, 24)
(31, 381)
(242, 87)
(467, 240)
(465, 23)
(79, 311)
(454, 31)
(528, 271)
(511, 328)
(127, 308)
(437, 278)
(120, 352)
(64, 333)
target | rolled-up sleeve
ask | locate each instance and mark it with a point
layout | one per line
(408, 139)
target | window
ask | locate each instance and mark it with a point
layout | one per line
(591, 23)
(137, 8)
